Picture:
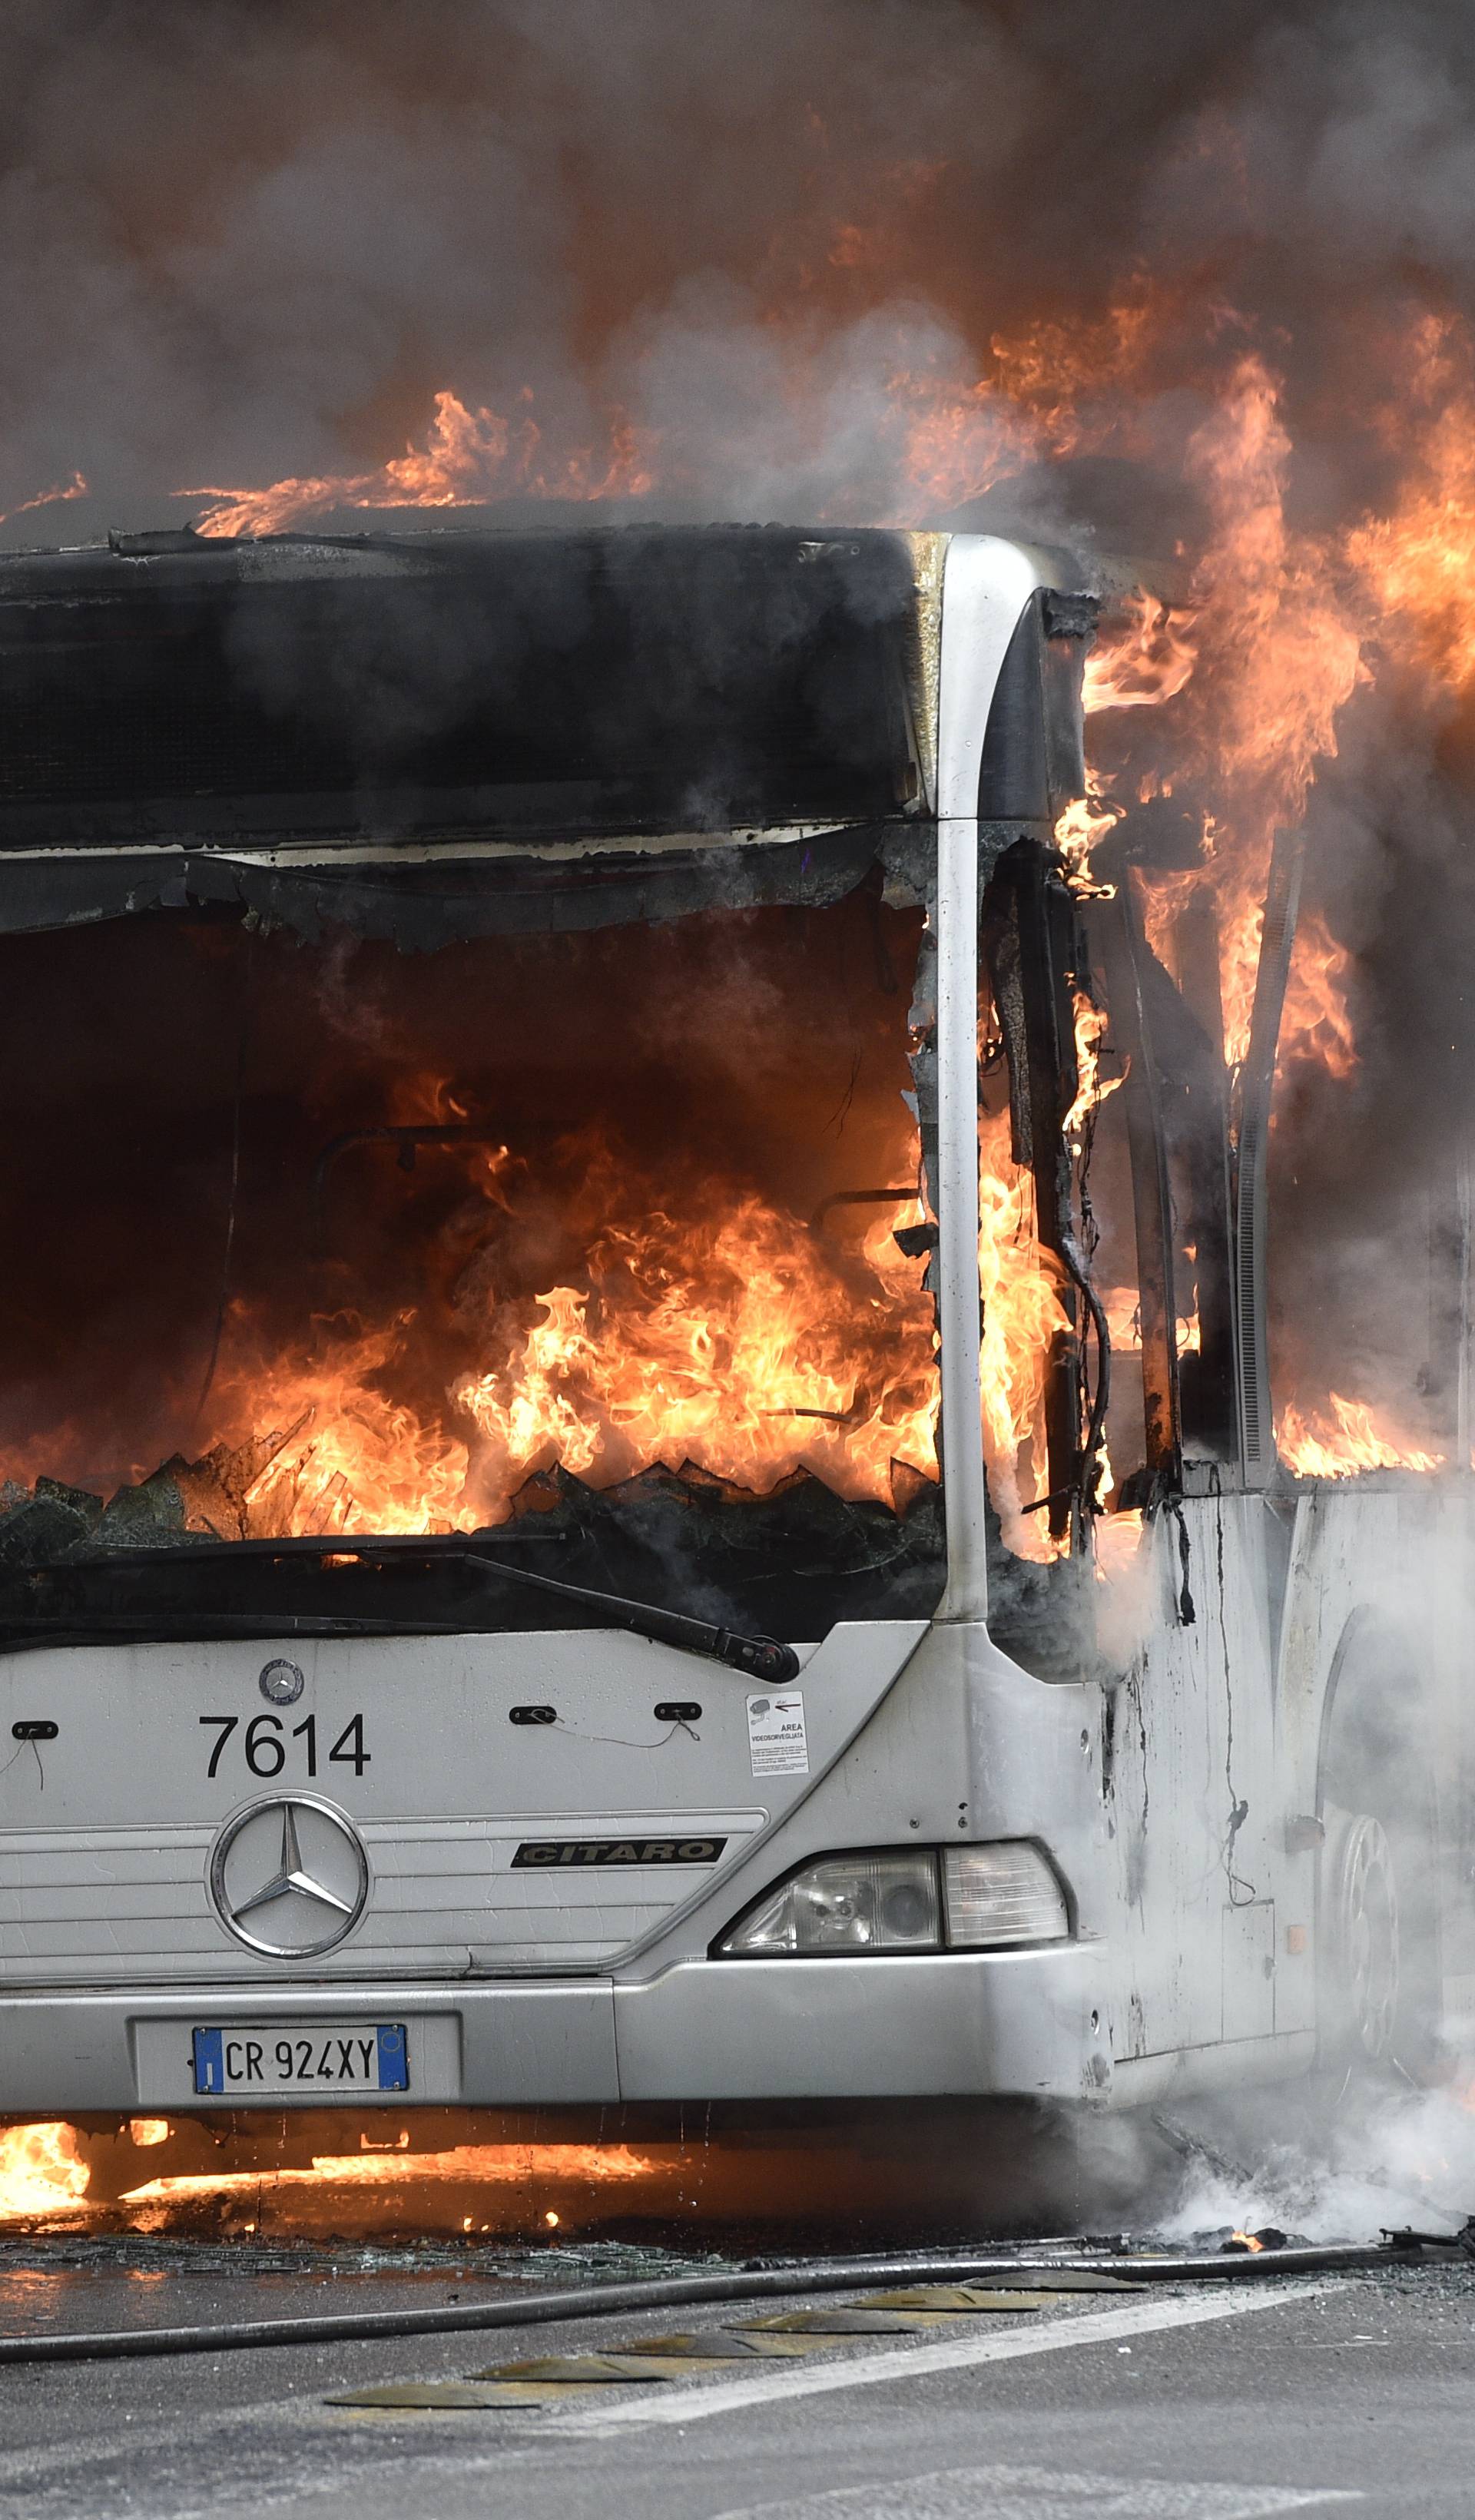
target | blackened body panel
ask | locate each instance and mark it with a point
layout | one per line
(654, 680)
(419, 908)
(1031, 927)
(790, 1564)
(1124, 955)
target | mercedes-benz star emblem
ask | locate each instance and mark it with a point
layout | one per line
(281, 1682)
(289, 1876)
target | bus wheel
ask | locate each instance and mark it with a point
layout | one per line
(1360, 1929)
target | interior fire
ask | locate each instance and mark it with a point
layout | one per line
(389, 1251)
(388, 1237)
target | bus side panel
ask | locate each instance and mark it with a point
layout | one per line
(1212, 1747)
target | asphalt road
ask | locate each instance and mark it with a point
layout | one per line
(1352, 2392)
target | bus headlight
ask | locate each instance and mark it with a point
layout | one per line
(1002, 1894)
(922, 1899)
(848, 1902)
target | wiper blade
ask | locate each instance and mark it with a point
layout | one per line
(761, 1658)
(179, 1553)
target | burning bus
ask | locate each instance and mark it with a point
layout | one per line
(638, 1449)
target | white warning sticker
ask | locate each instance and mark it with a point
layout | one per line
(776, 1736)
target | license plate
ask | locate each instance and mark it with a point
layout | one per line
(302, 2057)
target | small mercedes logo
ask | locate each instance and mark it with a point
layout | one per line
(281, 1682)
(297, 1868)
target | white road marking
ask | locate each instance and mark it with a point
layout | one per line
(1041, 2494)
(772, 2388)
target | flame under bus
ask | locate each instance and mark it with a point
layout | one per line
(525, 1051)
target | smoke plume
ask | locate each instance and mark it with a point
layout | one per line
(1192, 283)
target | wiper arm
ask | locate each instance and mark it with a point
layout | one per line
(761, 1658)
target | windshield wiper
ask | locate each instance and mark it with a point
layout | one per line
(761, 1658)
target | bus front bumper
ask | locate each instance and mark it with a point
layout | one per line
(955, 2024)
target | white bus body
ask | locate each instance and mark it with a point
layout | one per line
(236, 1867)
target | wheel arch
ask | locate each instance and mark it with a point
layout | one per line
(1349, 1676)
(1374, 1757)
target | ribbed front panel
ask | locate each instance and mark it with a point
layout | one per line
(133, 1903)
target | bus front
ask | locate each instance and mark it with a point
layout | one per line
(497, 1545)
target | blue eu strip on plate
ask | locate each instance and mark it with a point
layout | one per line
(393, 2057)
(210, 2060)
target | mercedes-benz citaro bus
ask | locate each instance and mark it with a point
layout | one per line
(553, 1552)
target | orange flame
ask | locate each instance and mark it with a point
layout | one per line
(1285, 657)
(1251, 672)
(1124, 1322)
(75, 488)
(1419, 561)
(344, 1454)
(1149, 662)
(727, 1344)
(1092, 1088)
(741, 1341)
(1077, 380)
(39, 2169)
(1022, 1316)
(475, 2164)
(468, 456)
(1316, 1447)
(959, 441)
(1056, 389)
(743, 1344)
(1085, 820)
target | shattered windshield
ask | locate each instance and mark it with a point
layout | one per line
(609, 1241)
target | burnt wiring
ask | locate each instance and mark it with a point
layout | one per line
(19, 1754)
(406, 1143)
(1077, 1251)
(1076, 1261)
(869, 1565)
(1187, 1614)
(619, 1742)
(841, 1112)
(1162, 1493)
(1242, 1893)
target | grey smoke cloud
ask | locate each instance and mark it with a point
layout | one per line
(240, 241)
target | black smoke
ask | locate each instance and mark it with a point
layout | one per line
(240, 241)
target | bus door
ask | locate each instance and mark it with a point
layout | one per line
(1190, 1612)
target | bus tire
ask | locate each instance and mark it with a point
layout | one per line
(1378, 1878)
(1359, 1938)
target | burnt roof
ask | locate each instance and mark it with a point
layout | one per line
(176, 688)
